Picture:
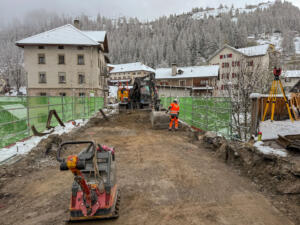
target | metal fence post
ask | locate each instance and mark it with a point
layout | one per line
(73, 107)
(95, 105)
(89, 101)
(28, 117)
(62, 108)
(48, 104)
(192, 122)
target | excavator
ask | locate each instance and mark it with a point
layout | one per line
(143, 95)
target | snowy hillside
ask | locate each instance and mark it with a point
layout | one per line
(217, 12)
(276, 40)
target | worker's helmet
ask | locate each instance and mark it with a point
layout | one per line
(175, 100)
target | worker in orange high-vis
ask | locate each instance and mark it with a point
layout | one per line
(174, 114)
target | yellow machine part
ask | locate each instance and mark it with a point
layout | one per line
(123, 93)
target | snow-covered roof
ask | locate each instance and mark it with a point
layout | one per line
(130, 67)
(65, 35)
(203, 88)
(98, 36)
(119, 81)
(292, 73)
(187, 72)
(255, 50)
(249, 51)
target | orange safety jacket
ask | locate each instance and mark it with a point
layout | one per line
(174, 109)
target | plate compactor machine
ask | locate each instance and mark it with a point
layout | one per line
(95, 194)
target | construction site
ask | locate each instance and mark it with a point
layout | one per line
(183, 177)
(182, 145)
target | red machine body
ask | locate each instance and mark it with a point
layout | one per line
(95, 194)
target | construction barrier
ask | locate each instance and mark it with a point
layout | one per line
(205, 113)
(18, 114)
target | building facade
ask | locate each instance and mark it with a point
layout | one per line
(66, 62)
(240, 66)
(126, 73)
(200, 79)
(289, 79)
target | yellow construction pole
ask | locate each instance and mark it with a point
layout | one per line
(268, 101)
(274, 100)
(286, 101)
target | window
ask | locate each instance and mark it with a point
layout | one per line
(41, 59)
(41, 47)
(287, 79)
(61, 59)
(62, 78)
(225, 65)
(81, 94)
(80, 47)
(139, 73)
(81, 79)
(80, 59)
(227, 75)
(235, 63)
(222, 87)
(43, 94)
(203, 82)
(222, 75)
(250, 63)
(133, 73)
(221, 56)
(42, 78)
(62, 94)
(233, 75)
(61, 47)
(229, 55)
(182, 83)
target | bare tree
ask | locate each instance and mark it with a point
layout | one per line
(248, 75)
(12, 66)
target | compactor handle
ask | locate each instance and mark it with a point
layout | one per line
(80, 165)
(91, 148)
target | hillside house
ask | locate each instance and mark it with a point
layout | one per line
(255, 62)
(126, 73)
(201, 79)
(66, 61)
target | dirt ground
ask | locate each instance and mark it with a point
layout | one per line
(164, 179)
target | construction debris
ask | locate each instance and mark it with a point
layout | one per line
(103, 114)
(289, 142)
(51, 113)
(37, 133)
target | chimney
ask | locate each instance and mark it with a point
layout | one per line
(174, 69)
(77, 24)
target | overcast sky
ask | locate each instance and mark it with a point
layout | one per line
(143, 9)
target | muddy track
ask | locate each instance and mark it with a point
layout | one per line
(164, 179)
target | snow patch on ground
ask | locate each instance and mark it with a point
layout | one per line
(23, 147)
(270, 130)
(269, 151)
(113, 91)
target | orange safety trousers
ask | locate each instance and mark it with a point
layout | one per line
(173, 119)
